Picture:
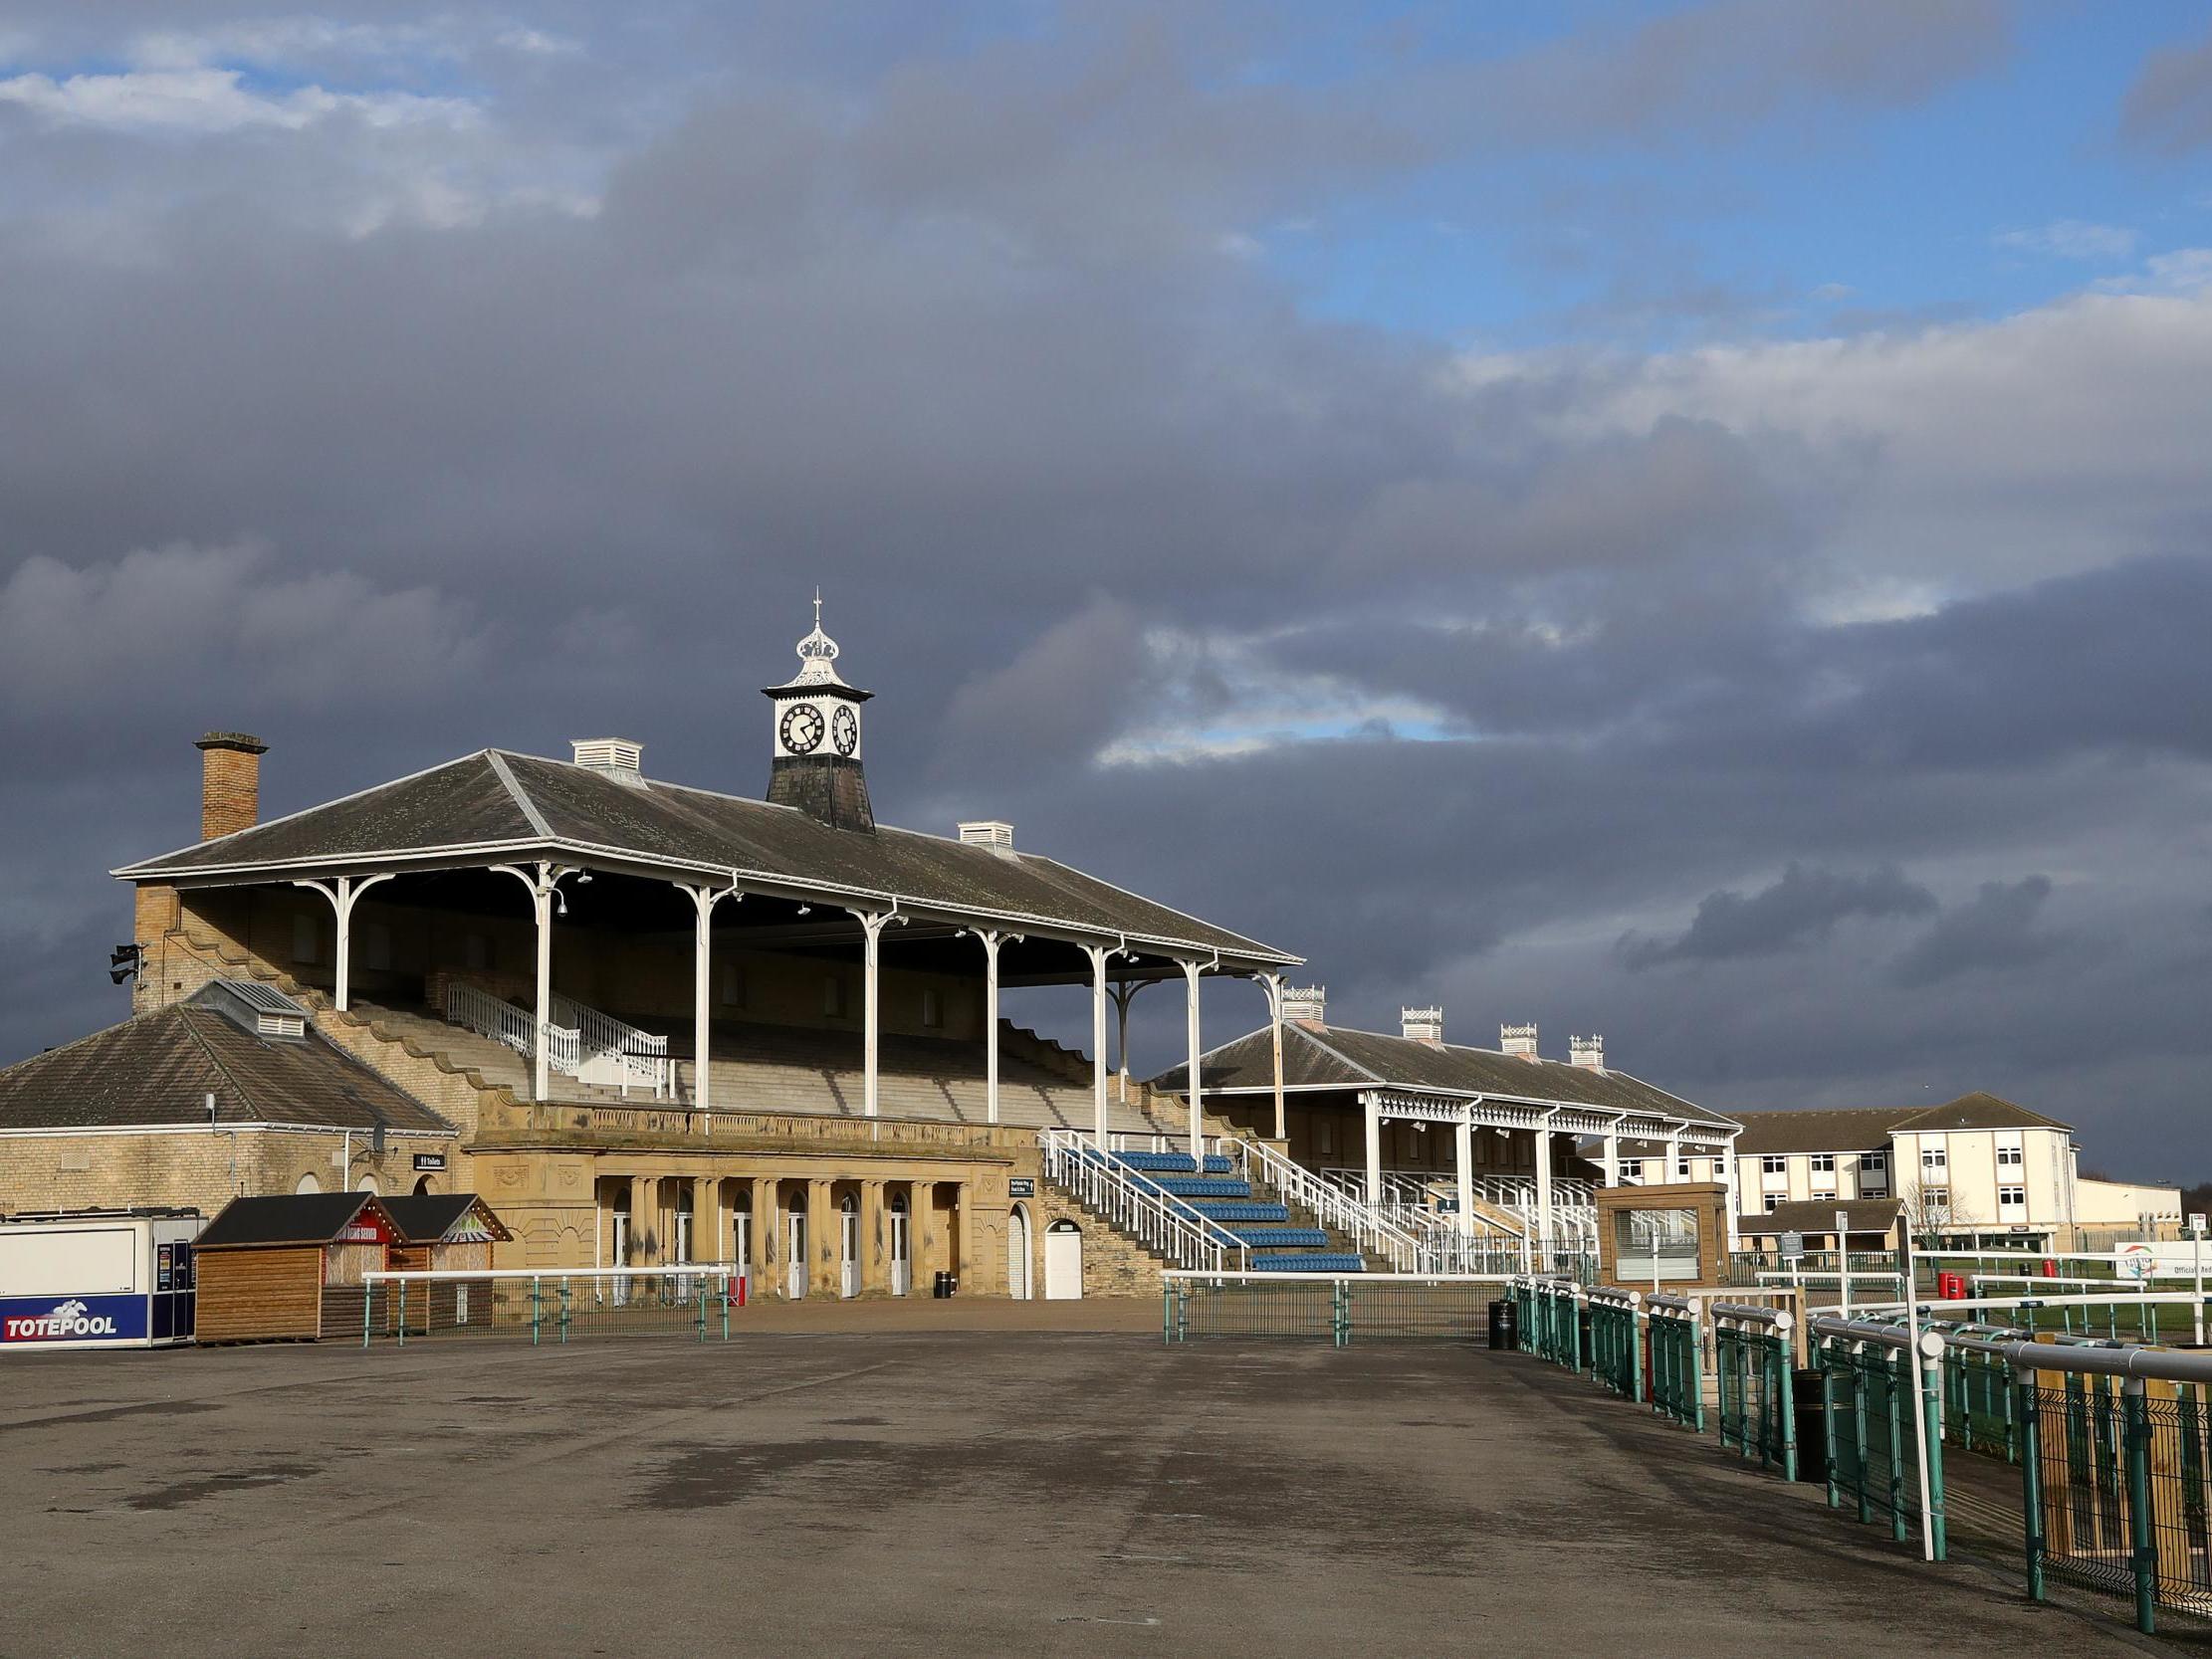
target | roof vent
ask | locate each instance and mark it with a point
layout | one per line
(1517, 1039)
(988, 832)
(261, 1009)
(1423, 1025)
(617, 757)
(1588, 1052)
(1305, 1003)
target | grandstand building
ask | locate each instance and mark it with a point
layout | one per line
(654, 1023)
(1473, 1152)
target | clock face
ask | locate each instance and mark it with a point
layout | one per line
(801, 729)
(844, 730)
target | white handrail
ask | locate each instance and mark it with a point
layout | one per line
(1332, 1207)
(1154, 1217)
(615, 1048)
(488, 1016)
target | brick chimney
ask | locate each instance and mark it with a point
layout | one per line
(230, 783)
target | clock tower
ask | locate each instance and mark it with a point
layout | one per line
(815, 729)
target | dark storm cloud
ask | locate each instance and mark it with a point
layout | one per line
(1801, 907)
(387, 438)
(2170, 107)
(1995, 929)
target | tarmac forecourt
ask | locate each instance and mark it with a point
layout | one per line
(982, 1490)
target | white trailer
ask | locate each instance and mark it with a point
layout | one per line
(98, 1279)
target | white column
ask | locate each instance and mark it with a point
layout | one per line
(1613, 1159)
(871, 1008)
(1273, 984)
(1124, 994)
(991, 942)
(1727, 1156)
(1190, 1015)
(541, 895)
(344, 893)
(1543, 1192)
(703, 902)
(1373, 1106)
(1098, 955)
(1464, 1150)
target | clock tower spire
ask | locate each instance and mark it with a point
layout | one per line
(815, 729)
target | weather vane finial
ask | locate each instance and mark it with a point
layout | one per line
(817, 607)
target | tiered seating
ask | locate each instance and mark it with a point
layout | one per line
(1265, 1228)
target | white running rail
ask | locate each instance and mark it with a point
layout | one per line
(486, 1015)
(615, 1054)
(1158, 1220)
(1367, 1227)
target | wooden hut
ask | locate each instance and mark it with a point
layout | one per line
(444, 1232)
(288, 1268)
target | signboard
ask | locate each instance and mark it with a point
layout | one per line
(1793, 1244)
(429, 1160)
(2135, 1261)
(1447, 1206)
(1020, 1186)
(71, 1319)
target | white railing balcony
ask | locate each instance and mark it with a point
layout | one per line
(615, 1054)
(1373, 1232)
(480, 1011)
(1138, 1208)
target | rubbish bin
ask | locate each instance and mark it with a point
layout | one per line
(1811, 1427)
(941, 1285)
(1504, 1332)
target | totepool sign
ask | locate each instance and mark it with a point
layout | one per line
(75, 1319)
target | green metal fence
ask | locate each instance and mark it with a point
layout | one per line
(1337, 1309)
(1550, 1319)
(2115, 1474)
(1873, 1379)
(1752, 1353)
(1617, 1341)
(1677, 1360)
(549, 1308)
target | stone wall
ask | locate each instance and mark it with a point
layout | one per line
(206, 1168)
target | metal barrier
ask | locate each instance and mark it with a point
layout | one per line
(1338, 1308)
(1617, 1341)
(1880, 1399)
(2116, 1481)
(540, 1308)
(1678, 1369)
(1752, 1353)
(1549, 1319)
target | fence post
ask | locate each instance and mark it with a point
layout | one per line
(536, 1310)
(1786, 1401)
(724, 1297)
(2142, 1539)
(701, 1311)
(1694, 1342)
(1927, 1368)
(402, 1313)
(2031, 1477)
(1340, 1315)
(565, 1308)
(368, 1311)
(1859, 1372)
(1900, 1527)
(1828, 1419)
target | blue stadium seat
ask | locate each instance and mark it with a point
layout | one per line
(1317, 1262)
(1282, 1238)
(1204, 1186)
(1240, 1209)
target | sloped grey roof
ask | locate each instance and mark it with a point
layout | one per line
(284, 1218)
(157, 1068)
(515, 803)
(1336, 1057)
(1818, 1215)
(1867, 1128)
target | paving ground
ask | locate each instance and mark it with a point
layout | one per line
(924, 1491)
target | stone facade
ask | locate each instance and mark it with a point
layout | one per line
(204, 1168)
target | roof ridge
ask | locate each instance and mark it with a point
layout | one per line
(199, 1038)
(1306, 1031)
(516, 794)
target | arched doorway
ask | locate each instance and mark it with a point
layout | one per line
(1064, 1262)
(1017, 1253)
(422, 1185)
(368, 1183)
(740, 1230)
(902, 1245)
(308, 1184)
(794, 1252)
(848, 1246)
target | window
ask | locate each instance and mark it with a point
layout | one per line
(1936, 1200)
(833, 996)
(1774, 1163)
(476, 952)
(304, 937)
(732, 985)
(1772, 1200)
(1872, 1164)
(2012, 1197)
(1328, 1142)
(1824, 1164)
(1934, 1157)
(1681, 1168)
(2008, 1158)
(1828, 1197)
(932, 1006)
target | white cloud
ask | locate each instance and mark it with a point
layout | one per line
(2184, 270)
(2072, 239)
(206, 100)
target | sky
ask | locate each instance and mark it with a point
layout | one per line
(1683, 521)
